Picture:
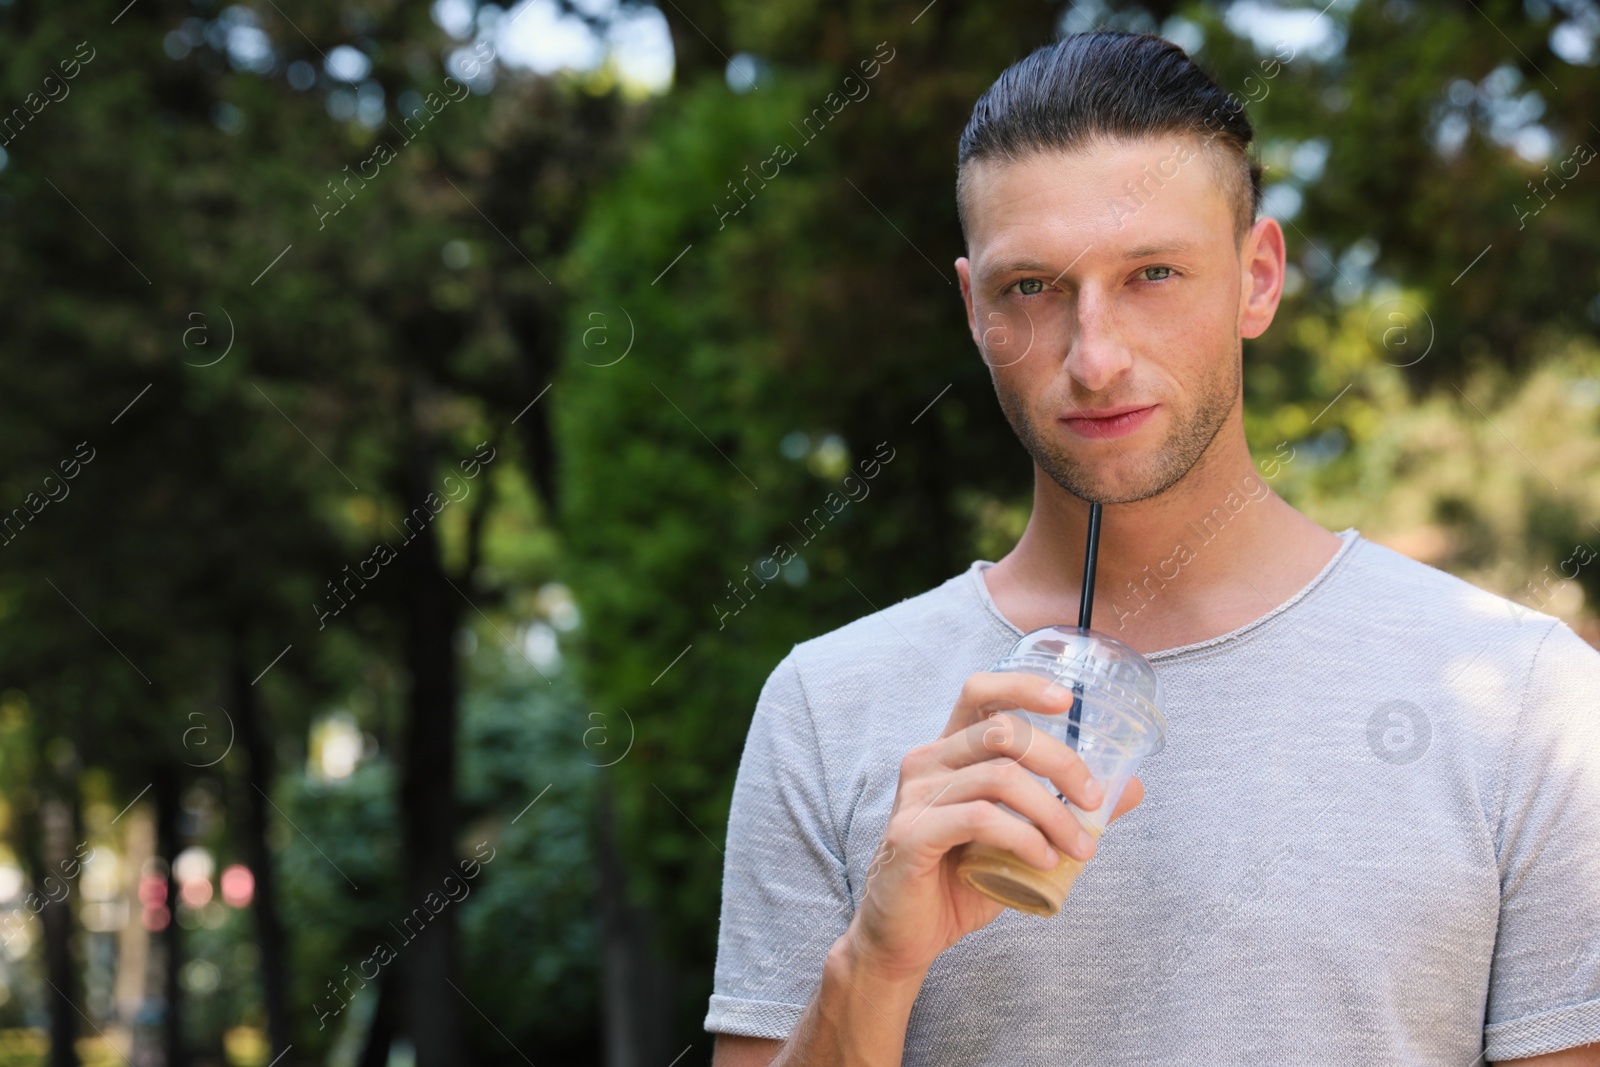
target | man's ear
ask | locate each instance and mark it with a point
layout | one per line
(964, 273)
(1261, 267)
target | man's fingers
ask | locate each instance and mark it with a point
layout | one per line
(1009, 783)
(945, 826)
(990, 691)
(1014, 738)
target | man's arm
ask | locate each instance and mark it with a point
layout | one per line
(733, 1050)
(857, 1016)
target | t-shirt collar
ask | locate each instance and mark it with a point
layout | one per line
(1349, 535)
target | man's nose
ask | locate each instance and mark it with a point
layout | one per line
(1098, 352)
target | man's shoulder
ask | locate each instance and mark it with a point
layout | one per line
(914, 641)
(1389, 583)
(942, 612)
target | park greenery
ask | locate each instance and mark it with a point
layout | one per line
(414, 462)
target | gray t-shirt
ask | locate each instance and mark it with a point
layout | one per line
(1373, 837)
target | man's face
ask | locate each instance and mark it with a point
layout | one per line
(1109, 278)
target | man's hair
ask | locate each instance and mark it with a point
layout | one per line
(1110, 85)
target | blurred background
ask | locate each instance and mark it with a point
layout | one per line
(403, 403)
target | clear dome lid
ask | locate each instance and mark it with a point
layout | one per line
(1095, 660)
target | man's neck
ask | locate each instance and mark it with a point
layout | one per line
(1213, 553)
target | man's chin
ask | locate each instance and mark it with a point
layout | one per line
(1104, 487)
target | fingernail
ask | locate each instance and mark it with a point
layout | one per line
(1093, 792)
(1085, 842)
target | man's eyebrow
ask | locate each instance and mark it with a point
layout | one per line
(1159, 248)
(1016, 266)
(1029, 266)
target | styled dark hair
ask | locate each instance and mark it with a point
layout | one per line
(1108, 85)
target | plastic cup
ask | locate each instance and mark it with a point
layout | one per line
(1114, 724)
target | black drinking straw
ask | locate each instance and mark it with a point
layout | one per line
(1091, 553)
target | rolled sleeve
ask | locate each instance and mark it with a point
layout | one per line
(1544, 985)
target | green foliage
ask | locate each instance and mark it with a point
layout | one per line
(531, 939)
(338, 850)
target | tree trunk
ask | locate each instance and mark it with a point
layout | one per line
(428, 779)
(165, 792)
(700, 44)
(380, 1030)
(538, 337)
(637, 987)
(48, 846)
(256, 738)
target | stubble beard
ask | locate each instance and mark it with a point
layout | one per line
(1164, 466)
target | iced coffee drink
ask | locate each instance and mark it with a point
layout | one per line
(1115, 722)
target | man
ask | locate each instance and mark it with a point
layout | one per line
(1374, 833)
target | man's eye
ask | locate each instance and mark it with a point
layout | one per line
(1148, 269)
(1031, 286)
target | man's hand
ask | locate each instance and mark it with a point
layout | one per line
(914, 906)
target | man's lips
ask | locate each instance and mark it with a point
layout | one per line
(1109, 422)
